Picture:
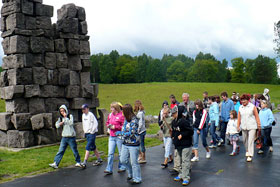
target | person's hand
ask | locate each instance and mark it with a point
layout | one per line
(113, 127)
(238, 129)
(180, 137)
(259, 127)
(209, 124)
(64, 114)
(61, 123)
(198, 132)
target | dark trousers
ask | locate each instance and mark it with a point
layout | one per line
(266, 136)
(223, 130)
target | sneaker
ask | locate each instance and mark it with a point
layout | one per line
(195, 159)
(177, 178)
(134, 182)
(163, 166)
(212, 146)
(220, 142)
(97, 163)
(53, 165)
(170, 161)
(260, 151)
(247, 154)
(128, 178)
(232, 154)
(249, 159)
(79, 165)
(121, 170)
(142, 161)
(208, 154)
(270, 148)
(108, 172)
(185, 183)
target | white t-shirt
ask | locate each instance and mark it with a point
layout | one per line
(90, 124)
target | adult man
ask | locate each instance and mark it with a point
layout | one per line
(205, 101)
(227, 106)
(173, 101)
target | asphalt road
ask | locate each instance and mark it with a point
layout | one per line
(219, 171)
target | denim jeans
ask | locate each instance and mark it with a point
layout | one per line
(203, 134)
(267, 141)
(113, 143)
(65, 141)
(167, 146)
(142, 142)
(129, 158)
(223, 130)
(215, 137)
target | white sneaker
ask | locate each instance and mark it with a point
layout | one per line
(247, 154)
(208, 154)
(249, 159)
(53, 165)
(260, 151)
(220, 142)
(212, 146)
(270, 148)
(79, 165)
(195, 159)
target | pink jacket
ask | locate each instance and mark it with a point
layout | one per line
(117, 120)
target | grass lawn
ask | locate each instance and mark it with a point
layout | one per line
(153, 128)
(34, 161)
(153, 94)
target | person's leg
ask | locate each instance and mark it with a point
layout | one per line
(251, 140)
(234, 146)
(179, 152)
(186, 164)
(119, 143)
(73, 145)
(267, 133)
(195, 142)
(143, 149)
(88, 147)
(168, 144)
(223, 131)
(60, 153)
(111, 151)
(124, 159)
(245, 140)
(213, 133)
(136, 170)
(177, 161)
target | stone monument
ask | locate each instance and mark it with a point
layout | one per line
(45, 65)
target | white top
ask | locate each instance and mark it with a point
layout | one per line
(90, 124)
(232, 127)
(248, 119)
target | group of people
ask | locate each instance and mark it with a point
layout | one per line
(181, 124)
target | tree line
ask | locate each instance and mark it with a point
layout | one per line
(116, 68)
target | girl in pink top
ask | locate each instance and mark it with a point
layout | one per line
(114, 123)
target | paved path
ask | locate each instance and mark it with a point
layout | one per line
(220, 171)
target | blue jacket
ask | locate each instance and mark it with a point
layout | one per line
(214, 113)
(266, 118)
(236, 106)
(227, 106)
(130, 132)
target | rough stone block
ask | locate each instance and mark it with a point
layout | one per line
(79, 130)
(50, 60)
(19, 44)
(36, 60)
(53, 77)
(52, 104)
(94, 102)
(4, 78)
(74, 63)
(11, 7)
(46, 136)
(36, 105)
(95, 89)
(3, 139)
(30, 23)
(5, 121)
(68, 25)
(6, 45)
(20, 139)
(73, 46)
(21, 121)
(17, 105)
(27, 7)
(21, 76)
(58, 91)
(87, 91)
(61, 60)
(44, 10)
(16, 61)
(3, 24)
(85, 78)
(77, 115)
(11, 92)
(77, 103)
(81, 13)
(32, 90)
(84, 47)
(74, 78)
(86, 65)
(41, 44)
(55, 116)
(52, 91)
(72, 91)
(16, 20)
(60, 45)
(40, 75)
(63, 77)
(83, 28)
(48, 120)
(67, 11)
(43, 22)
(37, 121)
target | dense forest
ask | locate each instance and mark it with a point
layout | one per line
(116, 68)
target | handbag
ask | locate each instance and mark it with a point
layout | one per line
(258, 141)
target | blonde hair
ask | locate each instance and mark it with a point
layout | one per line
(138, 106)
(116, 106)
(166, 110)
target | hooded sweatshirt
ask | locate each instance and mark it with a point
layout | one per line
(117, 120)
(141, 116)
(266, 118)
(68, 125)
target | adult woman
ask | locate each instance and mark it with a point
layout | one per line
(249, 121)
(140, 114)
(130, 148)
(114, 123)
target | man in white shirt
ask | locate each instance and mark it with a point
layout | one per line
(90, 127)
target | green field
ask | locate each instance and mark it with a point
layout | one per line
(153, 94)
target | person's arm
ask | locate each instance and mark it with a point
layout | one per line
(140, 116)
(238, 121)
(257, 117)
(119, 123)
(159, 119)
(217, 117)
(108, 119)
(271, 118)
(231, 105)
(203, 119)
(58, 123)
(193, 117)
(94, 122)
(69, 121)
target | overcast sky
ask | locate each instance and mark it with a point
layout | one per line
(225, 28)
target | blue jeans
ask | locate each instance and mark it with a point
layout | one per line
(129, 158)
(266, 137)
(142, 142)
(113, 143)
(223, 131)
(215, 137)
(203, 134)
(65, 141)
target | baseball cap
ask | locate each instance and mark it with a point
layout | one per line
(84, 106)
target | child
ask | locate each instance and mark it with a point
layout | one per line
(233, 132)
(66, 121)
(166, 128)
(266, 118)
(90, 127)
(182, 133)
(140, 114)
